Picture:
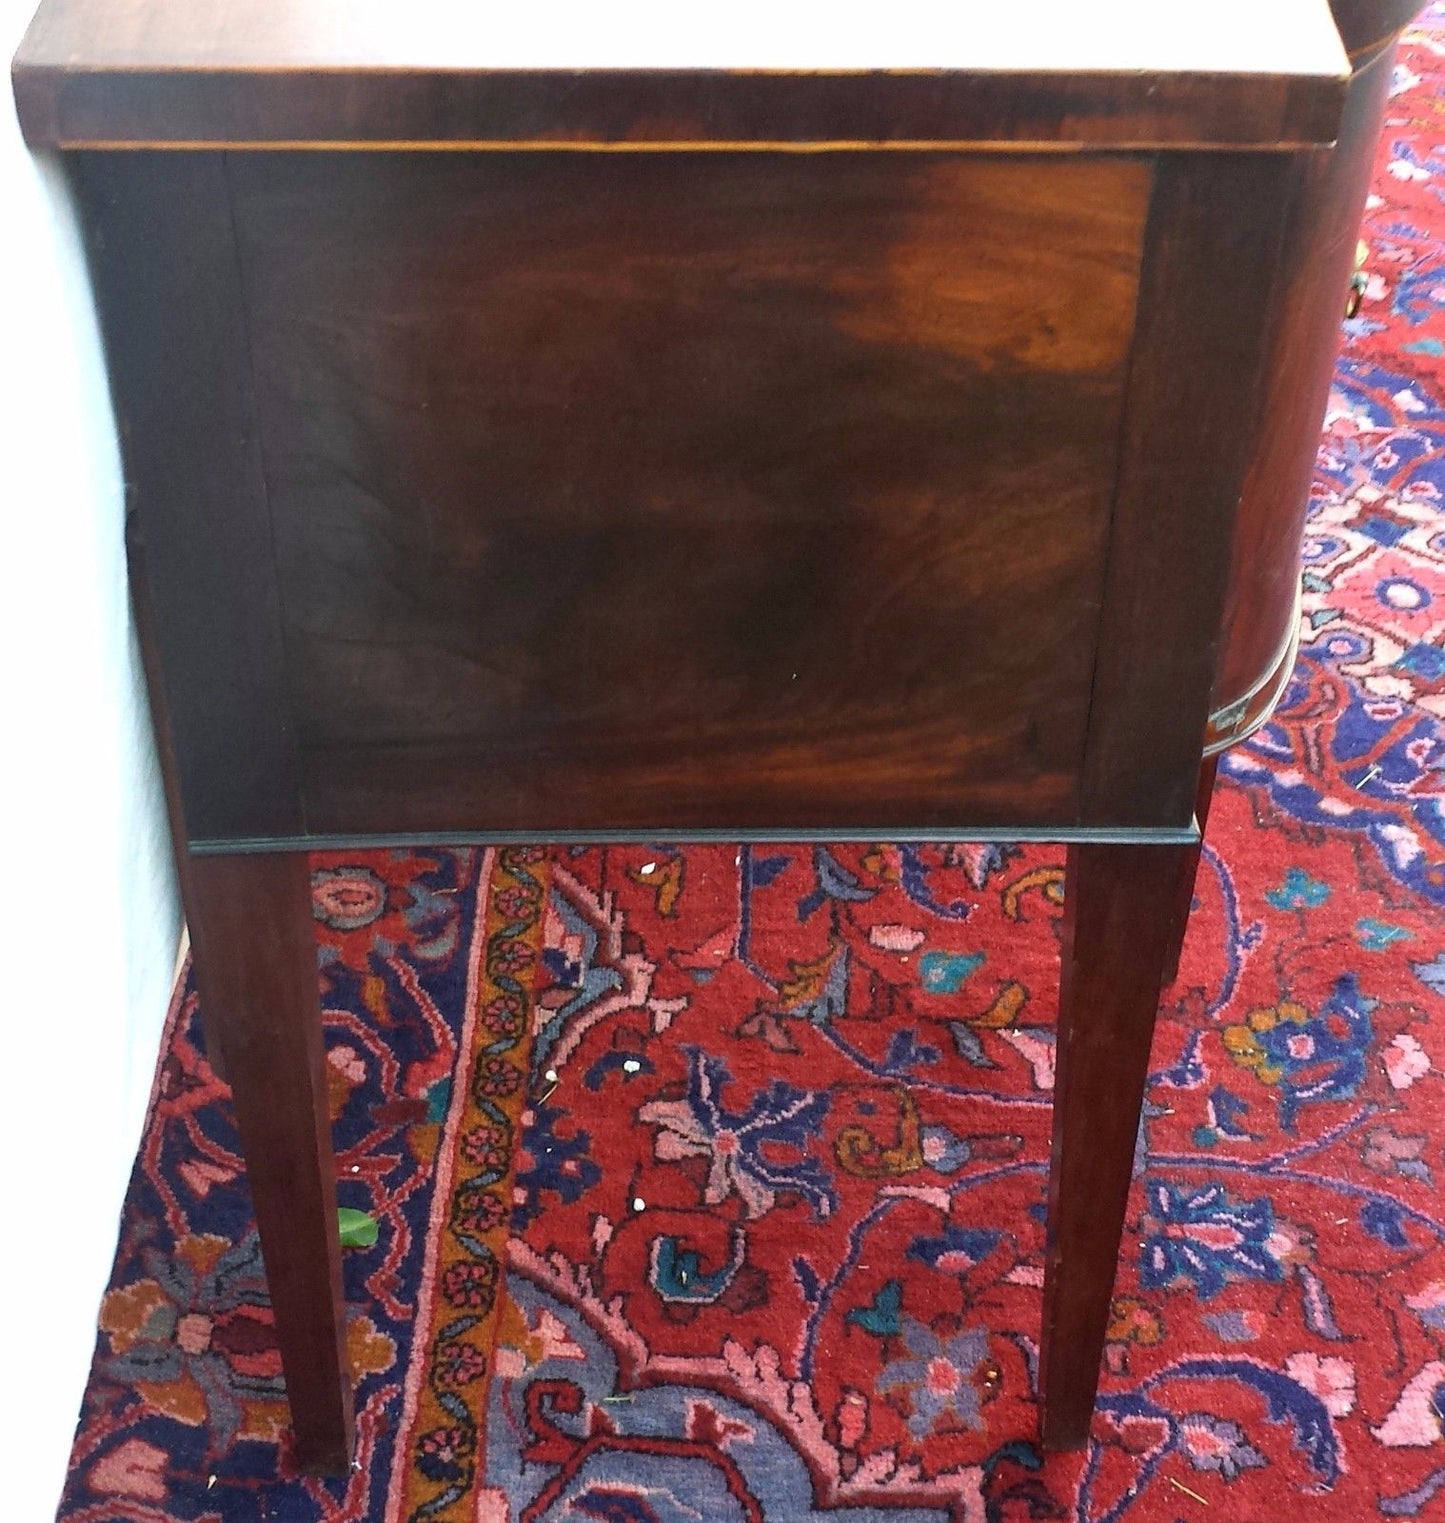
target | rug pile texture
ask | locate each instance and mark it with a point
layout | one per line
(770, 1247)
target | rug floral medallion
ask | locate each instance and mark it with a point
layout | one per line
(710, 1181)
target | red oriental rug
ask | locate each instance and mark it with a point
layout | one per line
(775, 1241)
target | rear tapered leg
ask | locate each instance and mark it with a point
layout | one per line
(255, 958)
(1120, 933)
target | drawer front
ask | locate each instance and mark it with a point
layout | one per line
(688, 490)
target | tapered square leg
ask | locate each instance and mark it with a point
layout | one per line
(255, 959)
(1189, 867)
(1120, 933)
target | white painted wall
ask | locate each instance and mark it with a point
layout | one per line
(88, 911)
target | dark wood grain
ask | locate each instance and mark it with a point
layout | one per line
(1120, 932)
(661, 492)
(1189, 860)
(315, 108)
(163, 260)
(139, 73)
(145, 625)
(1303, 340)
(1210, 274)
(626, 491)
(255, 958)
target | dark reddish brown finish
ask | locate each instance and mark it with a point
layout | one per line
(655, 492)
(489, 491)
(145, 626)
(1116, 946)
(1305, 337)
(1189, 863)
(154, 108)
(1193, 393)
(255, 953)
(143, 73)
(168, 287)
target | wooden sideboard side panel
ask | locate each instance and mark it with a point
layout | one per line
(164, 250)
(1211, 268)
(163, 259)
(666, 492)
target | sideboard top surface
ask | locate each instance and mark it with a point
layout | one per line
(374, 73)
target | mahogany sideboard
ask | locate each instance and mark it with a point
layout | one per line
(596, 422)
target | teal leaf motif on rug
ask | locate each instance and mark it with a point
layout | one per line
(1378, 935)
(881, 1316)
(1298, 892)
(947, 972)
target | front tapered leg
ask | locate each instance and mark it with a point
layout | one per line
(255, 958)
(1120, 933)
(1189, 862)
